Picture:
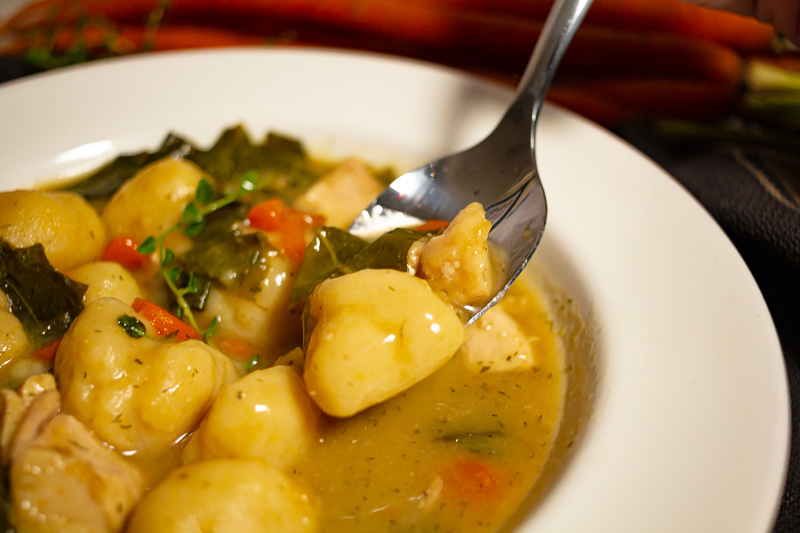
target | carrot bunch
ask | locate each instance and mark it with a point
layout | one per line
(630, 58)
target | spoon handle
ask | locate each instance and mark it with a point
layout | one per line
(562, 22)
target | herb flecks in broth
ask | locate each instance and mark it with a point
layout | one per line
(332, 380)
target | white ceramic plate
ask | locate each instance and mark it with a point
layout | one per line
(691, 428)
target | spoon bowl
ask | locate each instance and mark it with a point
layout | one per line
(499, 172)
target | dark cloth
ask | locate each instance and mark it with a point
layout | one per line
(754, 194)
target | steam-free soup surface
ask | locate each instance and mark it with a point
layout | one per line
(191, 341)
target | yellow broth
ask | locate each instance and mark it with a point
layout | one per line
(406, 464)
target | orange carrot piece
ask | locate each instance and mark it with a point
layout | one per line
(268, 215)
(48, 351)
(472, 482)
(432, 225)
(589, 105)
(235, 349)
(665, 98)
(124, 250)
(164, 322)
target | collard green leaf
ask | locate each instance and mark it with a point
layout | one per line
(335, 252)
(108, 179)
(325, 257)
(390, 250)
(484, 442)
(44, 300)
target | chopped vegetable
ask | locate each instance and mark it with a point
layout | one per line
(335, 252)
(132, 326)
(268, 215)
(124, 250)
(44, 300)
(165, 323)
(47, 352)
(472, 482)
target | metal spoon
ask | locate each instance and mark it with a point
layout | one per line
(499, 172)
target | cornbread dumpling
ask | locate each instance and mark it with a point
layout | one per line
(107, 279)
(137, 394)
(378, 332)
(64, 223)
(226, 496)
(266, 414)
(152, 200)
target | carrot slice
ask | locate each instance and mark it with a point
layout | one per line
(164, 322)
(124, 250)
(48, 351)
(268, 215)
(432, 225)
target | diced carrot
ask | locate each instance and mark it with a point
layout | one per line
(471, 482)
(47, 352)
(432, 225)
(235, 349)
(291, 237)
(164, 322)
(123, 250)
(268, 215)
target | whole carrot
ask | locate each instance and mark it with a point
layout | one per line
(665, 98)
(441, 19)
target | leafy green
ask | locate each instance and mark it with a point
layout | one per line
(481, 442)
(227, 259)
(44, 300)
(104, 182)
(335, 252)
(132, 326)
(326, 257)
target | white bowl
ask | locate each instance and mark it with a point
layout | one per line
(690, 423)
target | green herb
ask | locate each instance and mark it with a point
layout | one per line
(132, 326)
(43, 300)
(252, 363)
(183, 285)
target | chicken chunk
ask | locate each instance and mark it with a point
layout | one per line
(342, 194)
(497, 343)
(62, 478)
(457, 263)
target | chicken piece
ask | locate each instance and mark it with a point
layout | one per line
(62, 478)
(497, 343)
(341, 194)
(457, 263)
(227, 496)
(139, 394)
(15, 405)
(266, 414)
(378, 333)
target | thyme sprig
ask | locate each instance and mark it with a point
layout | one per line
(192, 222)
